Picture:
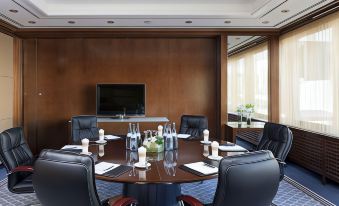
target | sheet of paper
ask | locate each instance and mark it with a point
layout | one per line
(111, 137)
(104, 167)
(202, 168)
(230, 148)
(72, 147)
(183, 136)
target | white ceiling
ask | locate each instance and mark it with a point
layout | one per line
(155, 13)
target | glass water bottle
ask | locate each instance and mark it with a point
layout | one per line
(169, 139)
(175, 137)
(134, 140)
(128, 136)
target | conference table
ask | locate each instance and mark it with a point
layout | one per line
(159, 184)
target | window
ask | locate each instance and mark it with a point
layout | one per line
(309, 76)
(247, 76)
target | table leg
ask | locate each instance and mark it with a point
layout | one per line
(153, 194)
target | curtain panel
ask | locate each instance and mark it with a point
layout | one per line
(247, 80)
(309, 76)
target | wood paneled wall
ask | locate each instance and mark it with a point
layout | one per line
(60, 77)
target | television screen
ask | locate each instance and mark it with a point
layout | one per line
(114, 99)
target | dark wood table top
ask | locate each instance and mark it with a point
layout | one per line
(164, 166)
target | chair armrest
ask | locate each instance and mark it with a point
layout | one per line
(22, 169)
(189, 200)
(124, 201)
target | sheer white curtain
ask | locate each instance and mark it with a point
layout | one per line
(309, 76)
(247, 76)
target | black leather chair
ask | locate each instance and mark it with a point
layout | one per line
(84, 126)
(66, 178)
(278, 139)
(18, 160)
(193, 125)
(250, 179)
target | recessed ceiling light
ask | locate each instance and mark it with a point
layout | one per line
(227, 22)
(147, 22)
(265, 22)
(110, 22)
(71, 22)
(31, 22)
(285, 11)
(13, 10)
(188, 22)
(237, 38)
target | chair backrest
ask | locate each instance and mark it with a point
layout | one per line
(84, 126)
(14, 151)
(277, 138)
(193, 125)
(248, 179)
(65, 178)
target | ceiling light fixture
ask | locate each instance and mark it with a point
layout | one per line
(110, 22)
(227, 22)
(13, 10)
(188, 22)
(147, 22)
(31, 22)
(71, 22)
(237, 38)
(285, 11)
(265, 22)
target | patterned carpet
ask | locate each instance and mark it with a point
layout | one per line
(290, 193)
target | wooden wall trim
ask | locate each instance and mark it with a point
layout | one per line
(17, 79)
(30, 90)
(273, 79)
(221, 86)
(139, 32)
(7, 28)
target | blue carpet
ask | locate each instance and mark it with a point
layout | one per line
(330, 191)
(3, 173)
(288, 194)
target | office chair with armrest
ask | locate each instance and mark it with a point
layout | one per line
(278, 139)
(249, 179)
(193, 125)
(84, 126)
(66, 178)
(17, 159)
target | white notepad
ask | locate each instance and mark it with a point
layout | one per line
(72, 147)
(184, 136)
(202, 168)
(104, 167)
(111, 137)
(230, 148)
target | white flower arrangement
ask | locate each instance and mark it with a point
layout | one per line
(240, 109)
(249, 108)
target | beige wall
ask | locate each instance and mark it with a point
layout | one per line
(6, 82)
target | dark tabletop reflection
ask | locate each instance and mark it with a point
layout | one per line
(164, 166)
(170, 162)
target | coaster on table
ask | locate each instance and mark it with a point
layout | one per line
(101, 141)
(138, 165)
(214, 158)
(88, 153)
(203, 142)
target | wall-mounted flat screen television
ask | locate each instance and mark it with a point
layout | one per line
(124, 99)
